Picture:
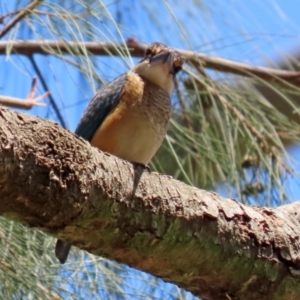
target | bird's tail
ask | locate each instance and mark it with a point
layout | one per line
(62, 250)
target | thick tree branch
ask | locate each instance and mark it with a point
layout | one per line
(137, 50)
(216, 248)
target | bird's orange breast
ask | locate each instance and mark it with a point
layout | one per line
(135, 128)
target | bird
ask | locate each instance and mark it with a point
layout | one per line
(129, 116)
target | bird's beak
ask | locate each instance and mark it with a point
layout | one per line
(166, 59)
(158, 69)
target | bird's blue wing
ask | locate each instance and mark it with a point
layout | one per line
(99, 107)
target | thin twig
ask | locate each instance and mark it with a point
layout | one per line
(19, 17)
(45, 13)
(33, 88)
(25, 103)
(9, 14)
(137, 50)
(21, 103)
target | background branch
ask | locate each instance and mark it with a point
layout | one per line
(25, 103)
(21, 14)
(137, 50)
(22, 103)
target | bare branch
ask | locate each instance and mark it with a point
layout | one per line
(21, 14)
(25, 103)
(9, 14)
(33, 88)
(213, 247)
(21, 103)
(137, 50)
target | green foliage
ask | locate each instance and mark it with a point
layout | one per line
(230, 134)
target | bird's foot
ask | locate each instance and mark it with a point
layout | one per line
(142, 166)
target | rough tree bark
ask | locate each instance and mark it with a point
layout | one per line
(216, 248)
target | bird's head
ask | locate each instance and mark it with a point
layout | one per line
(160, 65)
